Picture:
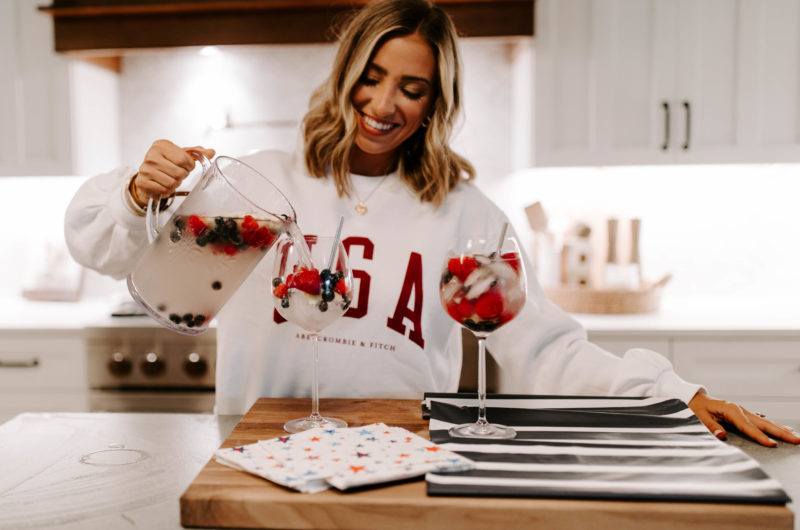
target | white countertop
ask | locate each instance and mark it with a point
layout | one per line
(676, 315)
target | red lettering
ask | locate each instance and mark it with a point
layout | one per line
(359, 309)
(412, 281)
(310, 241)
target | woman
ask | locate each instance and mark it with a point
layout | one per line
(376, 151)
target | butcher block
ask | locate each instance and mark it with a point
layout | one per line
(223, 497)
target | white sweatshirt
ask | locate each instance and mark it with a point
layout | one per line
(396, 339)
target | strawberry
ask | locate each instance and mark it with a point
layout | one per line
(197, 226)
(308, 281)
(489, 305)
(513, 260)
(462, 267)
(279, 291)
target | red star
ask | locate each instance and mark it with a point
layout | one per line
(315, 439)
(356, 469)
(434, 448)
(403, 455)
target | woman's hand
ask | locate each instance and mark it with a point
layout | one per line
(715, 412)
(164, 167)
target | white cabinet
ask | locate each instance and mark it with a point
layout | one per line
(761, 373)
(34, 94)
(42, 371)
(666, 81)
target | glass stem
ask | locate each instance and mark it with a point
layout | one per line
(315, 415)
(482, 380)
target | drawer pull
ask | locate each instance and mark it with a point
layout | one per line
(19, 364)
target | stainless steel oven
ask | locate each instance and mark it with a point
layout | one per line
(147, 368)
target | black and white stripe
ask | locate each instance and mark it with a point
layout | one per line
(595, 448)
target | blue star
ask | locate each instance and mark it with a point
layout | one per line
(240, 449)
(336, 443)
(372, 439)
(364, 432)
(284, 439)
(361, 455)
(310, 472)
(329, 431)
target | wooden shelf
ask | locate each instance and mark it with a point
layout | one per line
(105, 28)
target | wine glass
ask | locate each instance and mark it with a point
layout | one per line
(482, 287)
(312, 286)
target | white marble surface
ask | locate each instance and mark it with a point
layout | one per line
(44, 483)
(135, 468)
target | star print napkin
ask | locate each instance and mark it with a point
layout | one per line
(316, 459)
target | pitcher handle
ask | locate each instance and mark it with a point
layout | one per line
(154, 206)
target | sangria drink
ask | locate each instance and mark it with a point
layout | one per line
(210, 244)
(483, 287)
(312, 286)
(188, 270)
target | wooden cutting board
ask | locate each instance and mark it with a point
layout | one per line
(223, 497)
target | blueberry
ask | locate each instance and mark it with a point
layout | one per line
(216, 286)
(346, 302)
(338, 275)
(325, 274)
(175, 236)
(323, 306)
(201, 241)
(188, 317)
(276, 281)
(199, 319)
(446, 277)
(175, 317)
(285, 302)
(328, 295)
(179, 222)
(219, 221)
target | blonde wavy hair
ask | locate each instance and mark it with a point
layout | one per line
(426, 163)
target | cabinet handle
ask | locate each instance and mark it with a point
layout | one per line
(19, 364)
(665, 144)
(688, 109)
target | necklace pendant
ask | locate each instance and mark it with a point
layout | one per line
(360, 208)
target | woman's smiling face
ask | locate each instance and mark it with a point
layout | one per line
(392, 98)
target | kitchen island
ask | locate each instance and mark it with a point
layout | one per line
(114, 470)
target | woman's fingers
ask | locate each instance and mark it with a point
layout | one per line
(164, 167)
(714, 413)
(776, 430)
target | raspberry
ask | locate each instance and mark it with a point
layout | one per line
(489, 305)
(279, 291)
(197, 226)
(340, 287)
(308, 281)
(513, 260)
(462, 267)
(465, 308)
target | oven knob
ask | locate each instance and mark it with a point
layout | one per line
(119, 364)
(152, 365)
(195, 365)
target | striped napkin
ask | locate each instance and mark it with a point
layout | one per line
(594, 448)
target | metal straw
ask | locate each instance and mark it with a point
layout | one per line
(502, 238)
(335, 243)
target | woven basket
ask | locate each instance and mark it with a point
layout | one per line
(581, 299)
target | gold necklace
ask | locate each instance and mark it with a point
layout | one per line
(361, 206)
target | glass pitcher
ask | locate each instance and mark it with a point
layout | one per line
(209, 246)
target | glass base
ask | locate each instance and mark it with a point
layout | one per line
(310, 422)
(487, 430)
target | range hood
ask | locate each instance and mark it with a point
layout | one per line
(106, 28)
